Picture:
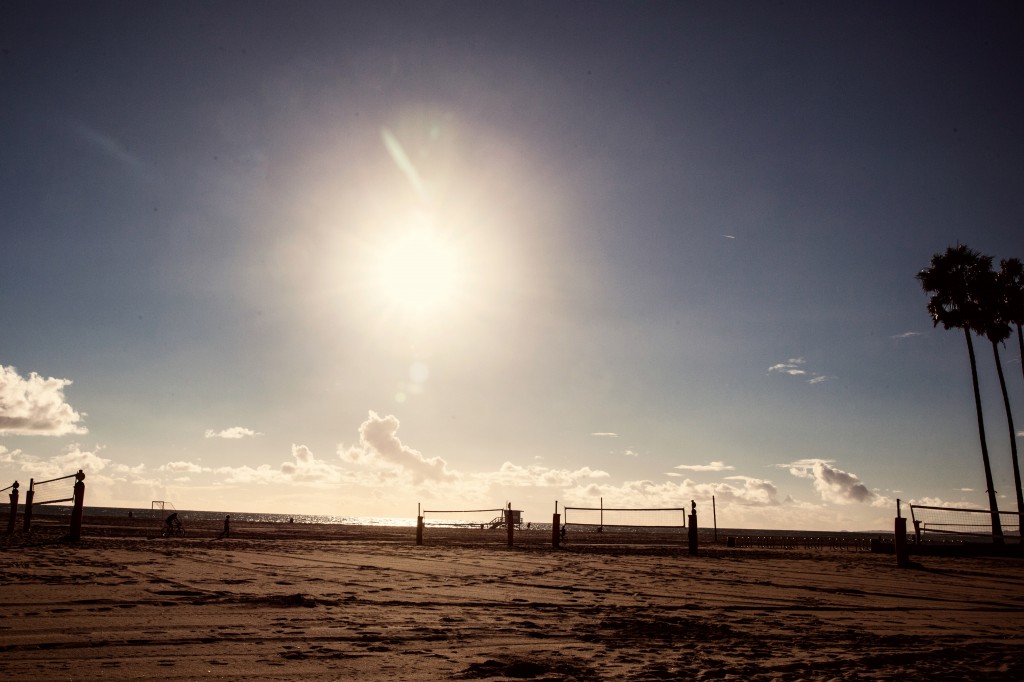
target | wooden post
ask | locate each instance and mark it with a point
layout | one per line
(419, 523)
(27, 526)
(14, 509)
(902, 555)
(714, 517)
(556, 525)
(508, 523)
(75, 533)
(692, 528)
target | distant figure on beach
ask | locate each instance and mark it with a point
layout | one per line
(528, 524)
(227, 528)
(563, 532)
(171, 521)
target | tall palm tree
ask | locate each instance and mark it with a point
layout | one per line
(956, 280)
(1011, 272)
(1010, 282)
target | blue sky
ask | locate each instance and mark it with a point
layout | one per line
(344, 258)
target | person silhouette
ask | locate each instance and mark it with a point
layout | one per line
(227, 528)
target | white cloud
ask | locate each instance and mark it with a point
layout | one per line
(630, 453)
(182, 468)
(35, 406)
(939, 502)
(605, 434)
(755, 491)
(519, 476)
(307, 468)
(70, 461)
(232, 433)
(832, 484)
(379, 445)
(264, 474)
(7, 456)
(905, 335)
(711, 466)
(791, 366)
(752, 492)
(795, 367)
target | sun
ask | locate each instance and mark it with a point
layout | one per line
(418, 270)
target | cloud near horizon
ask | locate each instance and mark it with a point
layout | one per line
(306, 467)
(752, 492)
(35, 406)
(513, 475)
(711, 466)
(232, 433)
(379, 445)
(832, 484)
(181, 467)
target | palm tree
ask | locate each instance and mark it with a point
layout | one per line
(1011, 272)
(1010, 283)
(955, 282)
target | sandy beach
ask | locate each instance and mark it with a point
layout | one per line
(367, 603)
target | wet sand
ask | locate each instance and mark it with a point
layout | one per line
(289, 603)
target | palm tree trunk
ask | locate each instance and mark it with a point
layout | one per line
(1013, 433)
(997, 527)
(1020, 342)
(1020, 507)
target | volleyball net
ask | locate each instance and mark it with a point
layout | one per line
(54, 490)
(466, 518)
(619, 518)
(455, 526)
(947, 523)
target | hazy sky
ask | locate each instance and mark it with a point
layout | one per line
(342, 258)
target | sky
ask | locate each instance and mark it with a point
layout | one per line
(351, 258)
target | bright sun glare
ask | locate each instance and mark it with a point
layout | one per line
(418, 271)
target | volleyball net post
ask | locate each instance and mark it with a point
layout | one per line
(14, 508)
(75, 533)
(29, 497)
(509, 523)
(691, 536)
(556, 529)
(900, 538)
(419, 524)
